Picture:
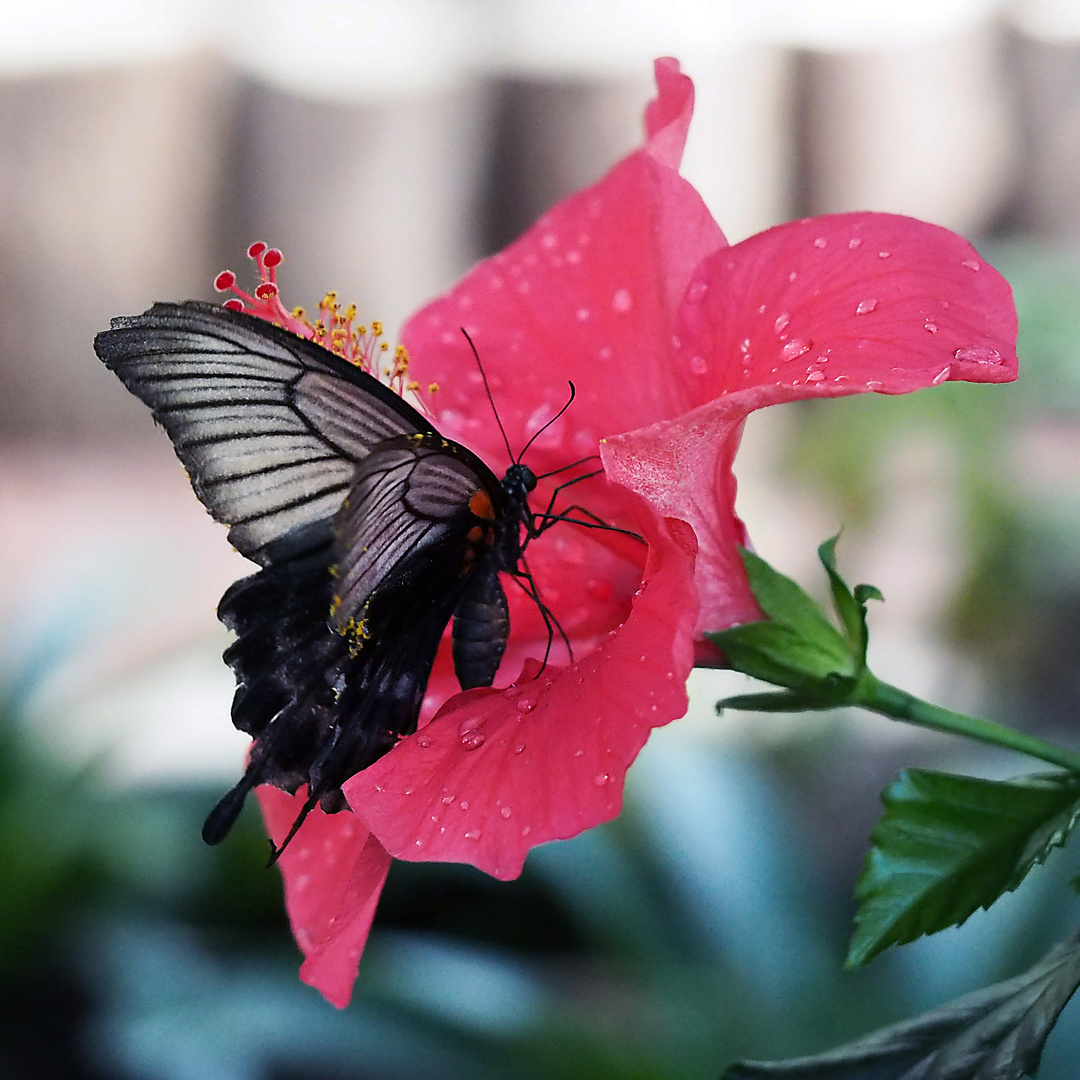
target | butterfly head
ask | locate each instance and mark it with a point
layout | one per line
(518, 483)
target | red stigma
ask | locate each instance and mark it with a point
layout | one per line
(225, 281)
(266, 291)
(233, 304)
(273, 257)
(256, 249)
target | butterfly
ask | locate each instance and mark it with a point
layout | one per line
(371, 529)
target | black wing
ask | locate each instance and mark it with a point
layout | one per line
(270, 426)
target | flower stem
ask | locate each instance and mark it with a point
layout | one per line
(890, 701)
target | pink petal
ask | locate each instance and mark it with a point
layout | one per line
(334, 871)
(497, 772)
(682, 468)
(843, 304)
(823, 307)
(590, 294)
(667, 116)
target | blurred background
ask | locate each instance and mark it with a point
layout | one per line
(386, 146)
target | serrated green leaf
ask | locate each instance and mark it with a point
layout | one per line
(784, 601)
(994, 1034)
(779, 654)
(948, 845)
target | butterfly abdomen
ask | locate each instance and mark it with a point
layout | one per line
(481, 629)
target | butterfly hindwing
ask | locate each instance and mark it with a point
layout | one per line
(270, 426)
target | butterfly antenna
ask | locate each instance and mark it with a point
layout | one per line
(487, 390)
(569, 402)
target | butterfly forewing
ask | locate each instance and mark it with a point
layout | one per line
(410, 495)
(269, 425)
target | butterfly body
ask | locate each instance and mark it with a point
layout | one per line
(372, 530)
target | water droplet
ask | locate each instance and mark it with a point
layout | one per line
(573, 257)
(795, 348)
(470, 723)
(419, 843)
(853, 243)
(463, 805)
(676, 341)
(931, 327)
(941, 376)
(582, 314)
(472, 740)
(873, 384)
(447, 800)
(526, 830)
(423, 741)
(866, 306)
(698, 364)
(579, 753)
(302, 882)
(520, 748)
(761, 310)
(813, 375)
(622, 301)
(820, 242)
(782, 321)
(548, 241)
(972, 264)
(744, 347)
(605, 352)
(505, 812)
(525, 705)
(600, 779)
(792, 276)
(696, 293)
(883, 254)
(474, 834)
(979, 354)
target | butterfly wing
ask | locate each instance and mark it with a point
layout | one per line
(360, 514)
(414, 502)
(270, 426)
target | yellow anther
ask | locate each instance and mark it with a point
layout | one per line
(350, 313)
(433, 388)
(376, 328)
(383, 346)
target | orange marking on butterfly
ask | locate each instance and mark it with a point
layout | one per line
(480, 505)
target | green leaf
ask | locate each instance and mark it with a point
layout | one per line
(948, 845)
(851, 607)
(994, 1034)
(781, 701)
(851, 616)
(778, 654)
(787, 605)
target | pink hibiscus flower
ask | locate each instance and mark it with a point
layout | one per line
(672, 338)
